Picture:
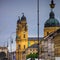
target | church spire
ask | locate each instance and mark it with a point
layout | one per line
(23, 18)
(52, 5)
(19, 17)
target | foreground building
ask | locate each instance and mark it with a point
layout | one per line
(3, 53)
(32, 49)
(22, 39)
(49, 45)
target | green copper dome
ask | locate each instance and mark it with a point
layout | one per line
(52, 22)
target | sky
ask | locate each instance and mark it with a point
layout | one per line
(11, 9)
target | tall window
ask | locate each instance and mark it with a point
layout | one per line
(24, 46)
(18, 46)
(47, 33)
(24, 35)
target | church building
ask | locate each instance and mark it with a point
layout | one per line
(50, 28)
(50, 46)
(22, 39)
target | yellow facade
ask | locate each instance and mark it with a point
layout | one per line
(32, 42)
(48, 30)
(31, 50)
(21, 38)
(57, 44)
(22, 41)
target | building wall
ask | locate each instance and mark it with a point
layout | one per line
(48, 30)
(31, 42)
(57, 45)
(19, 51)
(31, 50)
(4, 49)
(21, 38)
(22, 41)
(47, 49)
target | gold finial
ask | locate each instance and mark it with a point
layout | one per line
(52, 5)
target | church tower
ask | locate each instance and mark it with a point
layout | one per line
(52, 24)
(21, 37)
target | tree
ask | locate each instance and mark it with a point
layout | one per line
(34, 55)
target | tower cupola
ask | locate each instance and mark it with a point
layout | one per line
(18, 21)
(23, 18)
(52, 21)
(52, 15)
(52, 24)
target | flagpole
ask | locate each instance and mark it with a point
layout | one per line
(38, 24)
(11, 46)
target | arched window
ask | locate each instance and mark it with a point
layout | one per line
(19, 46)
(24, 35)
(24, 46)
(2, 55)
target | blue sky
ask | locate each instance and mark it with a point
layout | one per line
(11, 9)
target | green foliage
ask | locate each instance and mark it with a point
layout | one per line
(34, 55)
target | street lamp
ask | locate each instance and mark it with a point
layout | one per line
(11, 42)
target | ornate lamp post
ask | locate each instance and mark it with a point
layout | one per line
(11, 42)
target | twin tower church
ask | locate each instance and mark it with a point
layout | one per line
(23, 42)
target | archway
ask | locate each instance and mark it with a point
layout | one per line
(2, 55)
